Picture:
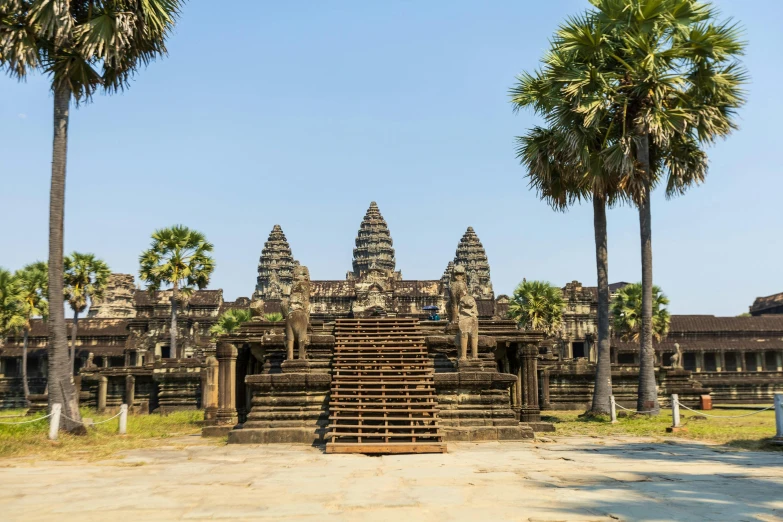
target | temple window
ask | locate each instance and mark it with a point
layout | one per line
(710, 362)
(578, 349)
(750, 362)
(689, 361)
(770, 361)
(731, 361)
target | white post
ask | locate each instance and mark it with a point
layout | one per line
(54, 421)
(123, 419)
(614, 409)
(779, 416)
(675, 411)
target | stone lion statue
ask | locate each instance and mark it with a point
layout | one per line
(468, 327)
(676, 359)
(296, 310)
(458, 287)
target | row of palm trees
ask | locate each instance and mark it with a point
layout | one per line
(24, 295)
(178, 257)
(631, 93)
(84, 47)
(539, 305)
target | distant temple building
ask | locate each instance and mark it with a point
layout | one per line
(124, 353)
(772, 304)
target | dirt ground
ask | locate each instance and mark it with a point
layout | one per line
(562, 478)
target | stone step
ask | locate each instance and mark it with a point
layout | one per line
(386, 448)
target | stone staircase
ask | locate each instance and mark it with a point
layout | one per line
(383, 390)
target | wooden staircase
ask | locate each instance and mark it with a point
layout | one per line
(383, 391)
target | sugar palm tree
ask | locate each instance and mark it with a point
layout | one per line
(33, 285)
(229, 321)
(669, 74)
(537, 305)
(86, 277)
(178, 256)
(84, 46)
(565, 165)
(12, 318)
(627, 313)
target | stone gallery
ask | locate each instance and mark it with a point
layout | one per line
(375, 362)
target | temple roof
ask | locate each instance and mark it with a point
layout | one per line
(87, 327)
(765, 303)
(206, 298)
(275, 266)
(374, 248)
(710, 324)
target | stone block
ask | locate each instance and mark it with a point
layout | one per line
(540, 427)
(515, 432)
(215, 431)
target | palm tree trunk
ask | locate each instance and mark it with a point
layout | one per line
(73, 340)
(603, 371)
(61, 388)
(25, 386)
(647, 400)
(173, 350)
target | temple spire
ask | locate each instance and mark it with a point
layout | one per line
(374, 248)
(275, 267)
(471, 255)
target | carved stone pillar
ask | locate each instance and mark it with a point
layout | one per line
(741, 364)
(103, 388)
(544, 375)
(779, 361)
(699, 361)
(130, 390)
(530, 411)
(210, 395)
(720, 364)
(759, 361)
(227, 397)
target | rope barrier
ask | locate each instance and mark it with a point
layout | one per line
(94, 423)
(726, 416)
(629, 409)
(26, 422)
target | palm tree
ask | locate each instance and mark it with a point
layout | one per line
(12, 318)
(669, 76)
(33, 286)
(627, 313)
(178, 257)
(565, 165)
(84, 46)
(537, 305)
(86, 277)
(230, 321)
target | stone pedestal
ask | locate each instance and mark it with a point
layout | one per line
(286, 408)
(476, 406)
(179, 384)
(295, 366)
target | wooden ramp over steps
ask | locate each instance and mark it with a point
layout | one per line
(383, 391)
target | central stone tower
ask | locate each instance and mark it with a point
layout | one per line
(374, 250)
(275, 267)
(471, 255)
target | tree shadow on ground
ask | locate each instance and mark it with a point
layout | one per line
(746, 486)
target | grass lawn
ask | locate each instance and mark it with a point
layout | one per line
(100, 442)
(750, 432)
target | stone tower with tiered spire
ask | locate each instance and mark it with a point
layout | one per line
(374, 250)
(471, 255)
(275, 268)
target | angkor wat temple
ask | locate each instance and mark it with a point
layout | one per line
(494, 390)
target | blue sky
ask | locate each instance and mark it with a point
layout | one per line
(301, 113)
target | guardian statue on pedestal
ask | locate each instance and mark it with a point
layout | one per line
(296, 310)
